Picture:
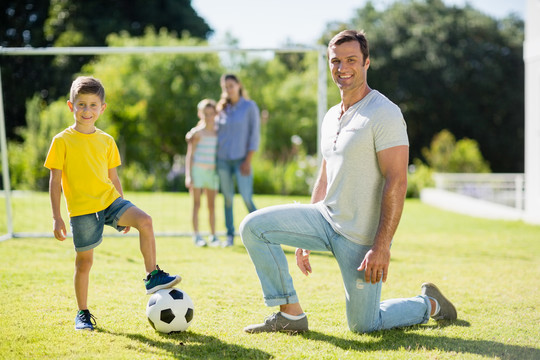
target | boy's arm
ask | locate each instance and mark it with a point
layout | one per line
(113, 175)
(55, 192)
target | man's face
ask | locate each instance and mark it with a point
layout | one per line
(347, 66)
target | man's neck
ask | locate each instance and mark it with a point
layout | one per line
(349, 99)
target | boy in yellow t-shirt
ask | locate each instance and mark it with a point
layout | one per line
(83, 161)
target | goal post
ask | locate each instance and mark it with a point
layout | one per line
(53, 51)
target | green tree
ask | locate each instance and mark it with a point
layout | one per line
(26, 158)
(21, 24)
(288, 101)
(42, 23)
(450, 68)
(69, 23)
(152, 98)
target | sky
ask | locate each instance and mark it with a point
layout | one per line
(274, 23)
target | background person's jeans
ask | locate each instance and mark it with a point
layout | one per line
(228, 171)
(304, 227)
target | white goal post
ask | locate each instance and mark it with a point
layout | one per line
(52, 51)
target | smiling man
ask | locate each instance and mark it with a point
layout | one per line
(357, 203)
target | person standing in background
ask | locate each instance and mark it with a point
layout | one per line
(238, 123)
(201, 175)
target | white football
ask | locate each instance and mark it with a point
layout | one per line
(170, 310)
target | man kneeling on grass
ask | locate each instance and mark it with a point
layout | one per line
(356, 206)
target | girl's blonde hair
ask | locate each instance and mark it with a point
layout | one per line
(203, 104)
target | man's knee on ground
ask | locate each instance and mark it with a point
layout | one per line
(361, 328)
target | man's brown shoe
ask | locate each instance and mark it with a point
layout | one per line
(447, 311)
(277, 322)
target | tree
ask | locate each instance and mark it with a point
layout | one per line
(88, 23)
(21, 24)
(450, 68)
(152, 98)
(288, 100)
(68, 23)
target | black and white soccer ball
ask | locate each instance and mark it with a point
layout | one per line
(170, 310)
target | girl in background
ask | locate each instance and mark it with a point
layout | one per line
(201, 173)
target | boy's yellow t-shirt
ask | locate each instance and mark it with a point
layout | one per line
(85, 160)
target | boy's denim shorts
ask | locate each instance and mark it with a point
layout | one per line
(87, 229)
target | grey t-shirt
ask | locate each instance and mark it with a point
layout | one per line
(354, 181)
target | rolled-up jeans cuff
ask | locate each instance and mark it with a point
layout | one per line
(276, 301)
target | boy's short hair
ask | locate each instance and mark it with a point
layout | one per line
(86, 85)
(203, 104)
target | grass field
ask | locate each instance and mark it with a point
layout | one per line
(490, 269)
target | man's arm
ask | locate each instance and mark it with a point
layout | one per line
(55, 193)
(318, 194)
(393, 164)
(319, 190)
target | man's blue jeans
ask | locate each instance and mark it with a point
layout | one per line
(228, 171)
(304, 227)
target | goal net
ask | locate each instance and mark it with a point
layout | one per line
(28, 214)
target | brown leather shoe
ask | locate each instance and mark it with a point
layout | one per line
(447, 311)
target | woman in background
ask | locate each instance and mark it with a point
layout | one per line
(238, 123)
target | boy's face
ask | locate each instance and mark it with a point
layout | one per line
(208, 113)
(86, 109)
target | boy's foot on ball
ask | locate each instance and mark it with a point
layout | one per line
(158, 279)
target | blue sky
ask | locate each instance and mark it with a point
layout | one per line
(270, 23)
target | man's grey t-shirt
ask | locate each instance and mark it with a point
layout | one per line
(354, 181)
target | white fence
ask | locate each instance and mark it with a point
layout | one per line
(505, 189)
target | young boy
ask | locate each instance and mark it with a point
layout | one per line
(83, 161)
(201, 172)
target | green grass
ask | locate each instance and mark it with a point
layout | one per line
(490, 269)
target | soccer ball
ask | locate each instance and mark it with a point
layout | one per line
(170, 310)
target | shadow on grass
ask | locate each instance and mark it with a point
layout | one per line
(400, 339)
(189, 345)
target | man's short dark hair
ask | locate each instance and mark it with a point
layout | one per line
(352, 35)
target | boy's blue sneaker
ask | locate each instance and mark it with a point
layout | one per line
(158, 279)
(84, 320)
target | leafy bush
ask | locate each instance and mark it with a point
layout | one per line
(419, 178)
(295, 176)
(26, 159)
(447, 155)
